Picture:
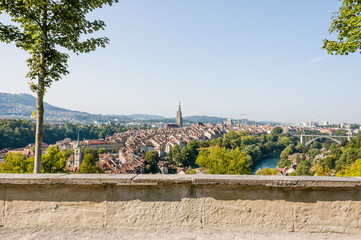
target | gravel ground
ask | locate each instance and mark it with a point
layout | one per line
(173, 234)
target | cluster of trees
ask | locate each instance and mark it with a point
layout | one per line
(324, 158)
(19, 133)
(219, 160)
(53, 161)
(235, 153)
(187, 156)
(151, 162)
(88, 165)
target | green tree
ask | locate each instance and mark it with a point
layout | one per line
(219, 160)
(276, 131)
(266, 171)
(42, 28)
(300, 147)
(286, 152)
(316, 144)
(346, 23)
(101, 151)
(151, 160)
(328, 161)
(319, 170)
(88, 165)
(93, 152)
(313, 152)
(298, 158)
(285, 141)
(232, 139)
(254, 151)
(351, 171)
(204, 144)
(347, 158)
(174, 154)
(303, 169)
(187, 157)
(263, 139)
(54, 161)
(14, 163)
(249, 140)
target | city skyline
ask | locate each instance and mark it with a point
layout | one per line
(260, 59)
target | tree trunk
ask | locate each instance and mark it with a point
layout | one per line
(39, 131)
(40, 94)
(39, 117)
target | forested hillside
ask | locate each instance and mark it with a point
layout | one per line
(19, 133)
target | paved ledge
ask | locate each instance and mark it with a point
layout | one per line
(162, 234)
(198, 202)
(158, 179)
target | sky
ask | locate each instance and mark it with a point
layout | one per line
(220, 58)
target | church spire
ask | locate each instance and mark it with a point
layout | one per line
(179, 119)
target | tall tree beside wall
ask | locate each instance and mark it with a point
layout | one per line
(42, 27)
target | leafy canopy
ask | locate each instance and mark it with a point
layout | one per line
(219, 160)
(151, 160)
(54, 161)
(347, 24)
(46, 25)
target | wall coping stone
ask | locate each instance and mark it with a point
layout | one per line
(198, 179)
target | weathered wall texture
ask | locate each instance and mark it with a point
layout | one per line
(318, 204)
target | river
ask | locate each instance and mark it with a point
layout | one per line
(270, 161)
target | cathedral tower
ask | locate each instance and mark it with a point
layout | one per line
(179, 120)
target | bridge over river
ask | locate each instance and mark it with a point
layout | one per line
(308, 139)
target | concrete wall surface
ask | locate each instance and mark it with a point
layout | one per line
(300, 204)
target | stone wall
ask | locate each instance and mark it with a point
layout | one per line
(310, 204)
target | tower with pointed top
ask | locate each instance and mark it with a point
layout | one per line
(179, 120)
(77, 154)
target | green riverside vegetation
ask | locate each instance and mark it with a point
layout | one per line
(19, 133)
(235, 153)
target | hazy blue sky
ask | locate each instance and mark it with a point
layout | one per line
(261, 58)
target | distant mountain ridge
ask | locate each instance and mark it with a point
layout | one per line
(22, 105)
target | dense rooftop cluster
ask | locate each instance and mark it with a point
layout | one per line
(129, 148)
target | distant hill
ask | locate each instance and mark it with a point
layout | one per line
(21, 106)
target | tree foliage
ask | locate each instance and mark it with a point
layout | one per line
(346, 24)
(304, 168)
(351, 171)
(219, 160)
(19, 133)
(54, 161)
(88, 164)
(151, 160)
(43, 27)
(266, 171)
(15, 163)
